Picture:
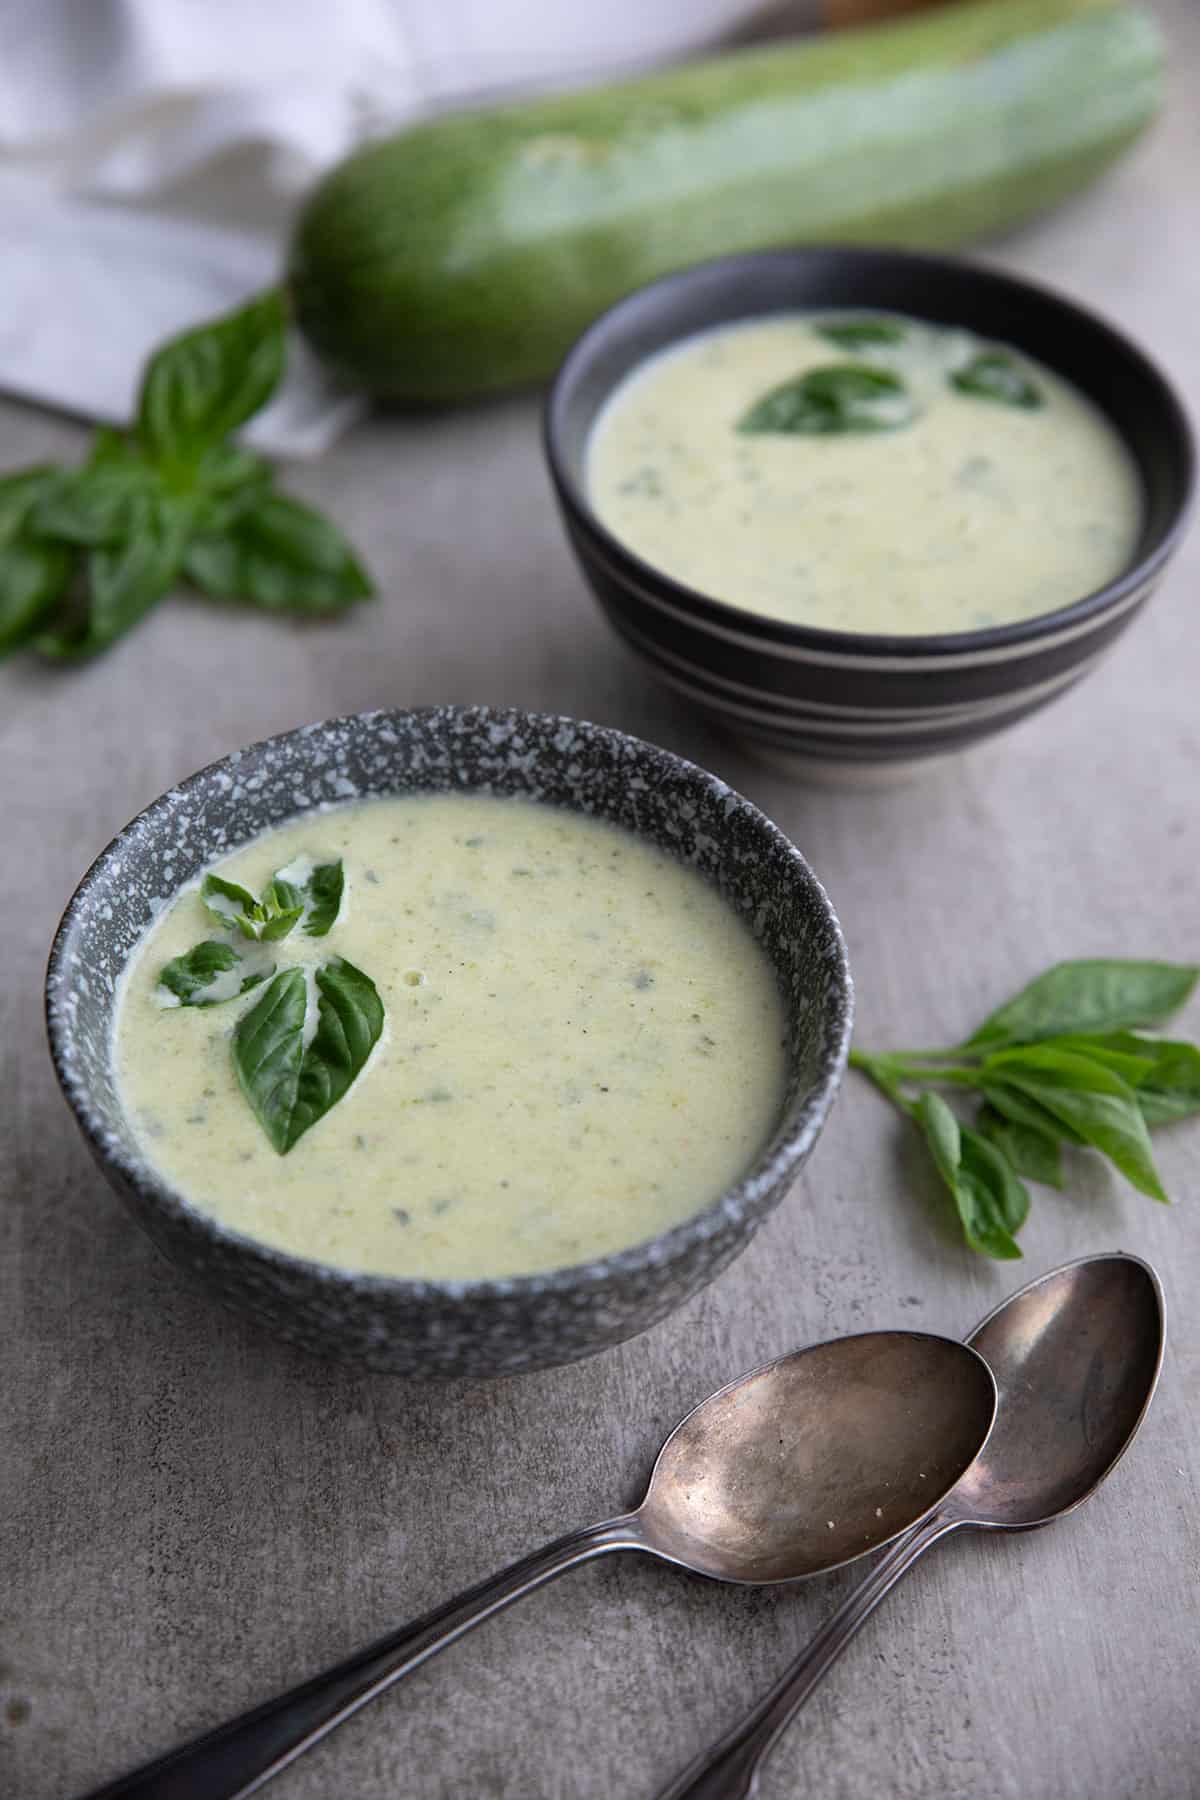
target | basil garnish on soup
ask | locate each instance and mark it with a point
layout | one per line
(235, 907)
(289, 1083)
(323, 893)
(308, 1035)
(300, 894)
(208, 974)
(993, 375)
(863, 472)
(835, 400)
(862, 333)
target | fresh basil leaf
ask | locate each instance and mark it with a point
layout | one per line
(18, 492)
(1164, 1108)
(33, 574)
(280, 910)
(856, 333)
(281, 556)
(1169, 1087)
(33, 578)
(1131, 1069)
(1065, 1068)
(326, 886)
(1019, 1109)
(289, 1086)
(1172, 1088)
(1009, 1197)
(195, 978)
(991, 1200)
(283, 895)
(228, 482)
(993, 375)
(1029, 1152)
(205, 383)
(268, 1051)
(188, 975)
(228, 468)
(313, 894)
(1123, 1043)
(1091, 996)
(103, 503)
(349, 1025)
(112, 446)
(980, 1216)
(123, 583)
(843, 397)
(1093, 1100)
(943, 1134)
(1164, 1072)
(229, 904)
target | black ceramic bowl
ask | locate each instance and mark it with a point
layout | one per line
(843, 701)
(452, 1327)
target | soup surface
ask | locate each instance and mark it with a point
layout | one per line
(962, 508)
(582, 1045)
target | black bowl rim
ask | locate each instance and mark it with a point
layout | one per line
(869, 645)
(732, 1207)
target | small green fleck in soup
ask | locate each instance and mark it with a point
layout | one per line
(570, 1042)
(865, 472)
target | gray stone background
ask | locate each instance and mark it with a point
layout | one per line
(192, 1515)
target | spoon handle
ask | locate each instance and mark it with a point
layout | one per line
(728, 1769)
(237, 1758)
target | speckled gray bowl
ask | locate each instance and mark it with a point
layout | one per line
(451, 1327)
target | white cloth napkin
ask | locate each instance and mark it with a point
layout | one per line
(151, 152)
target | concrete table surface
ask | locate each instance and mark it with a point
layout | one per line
(192, 1515)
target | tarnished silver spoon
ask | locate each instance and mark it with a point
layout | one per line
(799, 1467)
(1076, 1357)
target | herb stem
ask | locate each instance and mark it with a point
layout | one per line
(897, 1066)
(953, 1073)
(878, 1070)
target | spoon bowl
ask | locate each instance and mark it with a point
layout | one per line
(1076, 1357)
(819, 1457)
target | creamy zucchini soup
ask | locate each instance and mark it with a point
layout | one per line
(864, 472)
(450, 1036)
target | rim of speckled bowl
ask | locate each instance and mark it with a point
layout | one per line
(783, 1154)
(626, 312)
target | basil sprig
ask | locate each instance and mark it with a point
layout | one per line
(85, 553)
(272, 917)
(316, 900)
(1066, 1062)
(834, 400)
(290, 1080)
(290, 1085)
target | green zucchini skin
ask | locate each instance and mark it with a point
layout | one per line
(463, 256)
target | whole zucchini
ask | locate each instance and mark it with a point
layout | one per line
(463, 256)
